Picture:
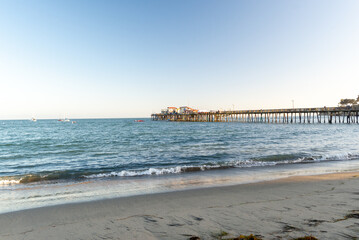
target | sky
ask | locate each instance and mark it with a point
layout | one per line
(117, 59)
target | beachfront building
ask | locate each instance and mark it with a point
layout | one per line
(183, 109)
(171, 110)
(192, 110)
(187, 110)
(180, 110)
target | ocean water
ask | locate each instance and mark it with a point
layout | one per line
(50, 162)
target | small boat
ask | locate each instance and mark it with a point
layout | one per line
(33, 119)
(139, 121)
(64, 120)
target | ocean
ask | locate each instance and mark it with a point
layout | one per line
(50, 162)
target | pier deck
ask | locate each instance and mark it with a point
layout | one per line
(292, 115)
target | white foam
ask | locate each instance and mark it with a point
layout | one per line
(251, 163)
(344, 156)
(150, 171)
(213, 165)
(180, 169)
(9, 182)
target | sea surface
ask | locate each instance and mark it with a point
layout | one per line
(50, 162)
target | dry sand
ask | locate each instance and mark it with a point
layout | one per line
(325, 206)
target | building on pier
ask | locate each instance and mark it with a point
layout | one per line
(187, 110)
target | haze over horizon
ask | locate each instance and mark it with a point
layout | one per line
(114, 59)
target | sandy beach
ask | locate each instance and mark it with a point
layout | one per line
(324, 206)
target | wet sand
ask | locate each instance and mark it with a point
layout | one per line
(325, 206)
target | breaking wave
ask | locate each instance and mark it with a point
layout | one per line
(271, 160)
(256, 162)
(9, 181)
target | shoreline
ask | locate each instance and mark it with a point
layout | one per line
(289, 207)
(45, 195)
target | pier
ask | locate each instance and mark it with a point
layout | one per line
(349, 114)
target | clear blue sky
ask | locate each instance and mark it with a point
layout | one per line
(130, 58)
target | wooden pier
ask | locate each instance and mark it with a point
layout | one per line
(293, 115)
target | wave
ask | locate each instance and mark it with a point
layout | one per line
(175, 170)
(347, 156)
(305, 158)
(270, 160)
(40, 177)
(9, 181)
(256, 162)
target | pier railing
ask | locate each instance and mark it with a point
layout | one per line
(289, 115)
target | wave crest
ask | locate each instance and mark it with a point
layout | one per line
(179, 169)
(9, 181)
(271, 160)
